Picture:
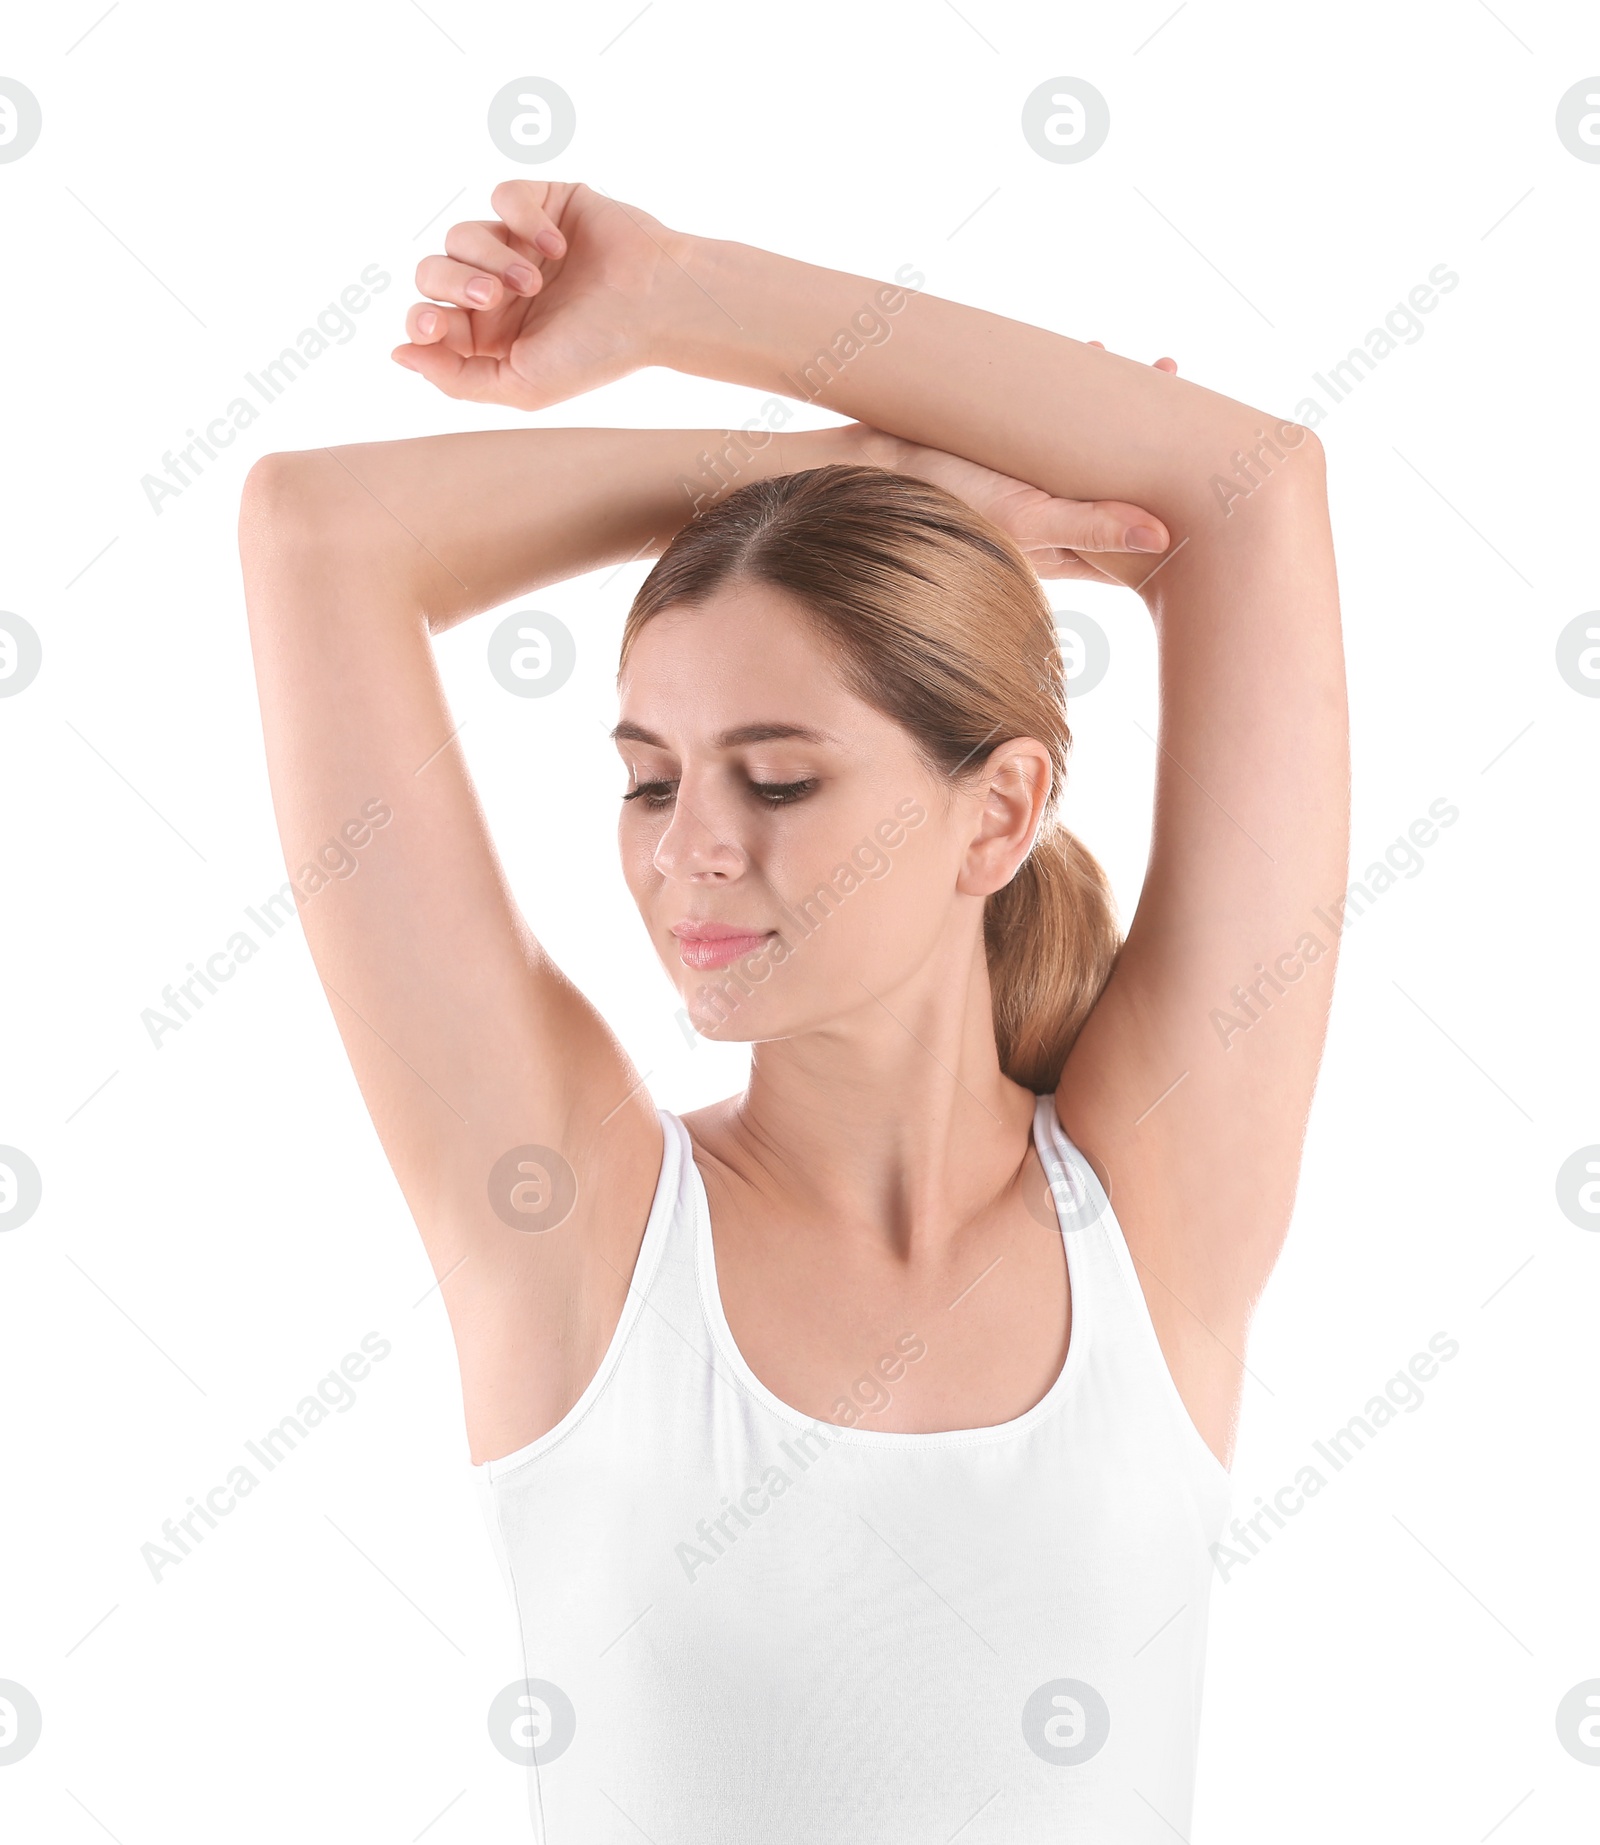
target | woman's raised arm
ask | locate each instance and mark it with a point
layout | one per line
(466, 1040)
(1192, 1080)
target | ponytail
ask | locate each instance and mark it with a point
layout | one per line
(1052, 940)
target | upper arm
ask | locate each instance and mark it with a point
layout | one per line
(1193, 1077)
(466, 1040)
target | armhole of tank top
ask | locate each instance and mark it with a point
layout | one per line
(1212, 1471)
(663, 1210)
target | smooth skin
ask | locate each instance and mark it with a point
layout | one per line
(877, 1175)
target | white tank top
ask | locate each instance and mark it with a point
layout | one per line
(738, 1622)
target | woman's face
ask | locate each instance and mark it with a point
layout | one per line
(792, 858)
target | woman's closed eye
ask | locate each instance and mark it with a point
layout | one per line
(653, 794)
(780, 794)
(770, 794)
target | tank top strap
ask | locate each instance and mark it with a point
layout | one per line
(1109, 1305)
(1108, 1299)
(669, 1286)
(1095, 1241)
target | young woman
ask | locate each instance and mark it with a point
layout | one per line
(853, 1460)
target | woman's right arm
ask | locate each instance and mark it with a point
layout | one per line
(466, 1040)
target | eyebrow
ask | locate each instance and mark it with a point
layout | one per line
(728, 739)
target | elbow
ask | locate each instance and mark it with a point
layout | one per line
(1306, 460)
(304, 512)
(1282, 470)
(274, 510)
(1308, 446)
(280, 500)
(309, 495)
(305, 525)
(312, 534)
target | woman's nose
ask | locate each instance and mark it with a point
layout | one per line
(697, 841)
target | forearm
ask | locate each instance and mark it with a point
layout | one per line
(1076, 421)
(451, 525)
(1246, 598)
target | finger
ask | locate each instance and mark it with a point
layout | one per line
(428, 324)
(448, 371)
(523, 204)
(1096, 525)
(484, 247)
(447, 280)
(1100, 343)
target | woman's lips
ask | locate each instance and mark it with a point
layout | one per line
(717, 946)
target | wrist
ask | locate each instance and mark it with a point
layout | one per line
(876, 448)
(677, 335)
(798, 451)
(860, 445)
(717, 319)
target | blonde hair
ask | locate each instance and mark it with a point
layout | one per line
(937, 620)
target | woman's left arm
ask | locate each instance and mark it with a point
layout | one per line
(1191, 1083)
(1192, 1080)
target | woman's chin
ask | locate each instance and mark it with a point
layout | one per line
(721, 1013)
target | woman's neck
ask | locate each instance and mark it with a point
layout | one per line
(896, 1122)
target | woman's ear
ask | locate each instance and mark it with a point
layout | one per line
(1012, 799)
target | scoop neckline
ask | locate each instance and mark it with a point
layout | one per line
(1079, 1329)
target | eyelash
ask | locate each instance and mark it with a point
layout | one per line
(771, 794)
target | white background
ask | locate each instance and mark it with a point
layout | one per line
(219, 1226)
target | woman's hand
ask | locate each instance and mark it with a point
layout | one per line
(560, 294)
(556, 297)
(1058, 537)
